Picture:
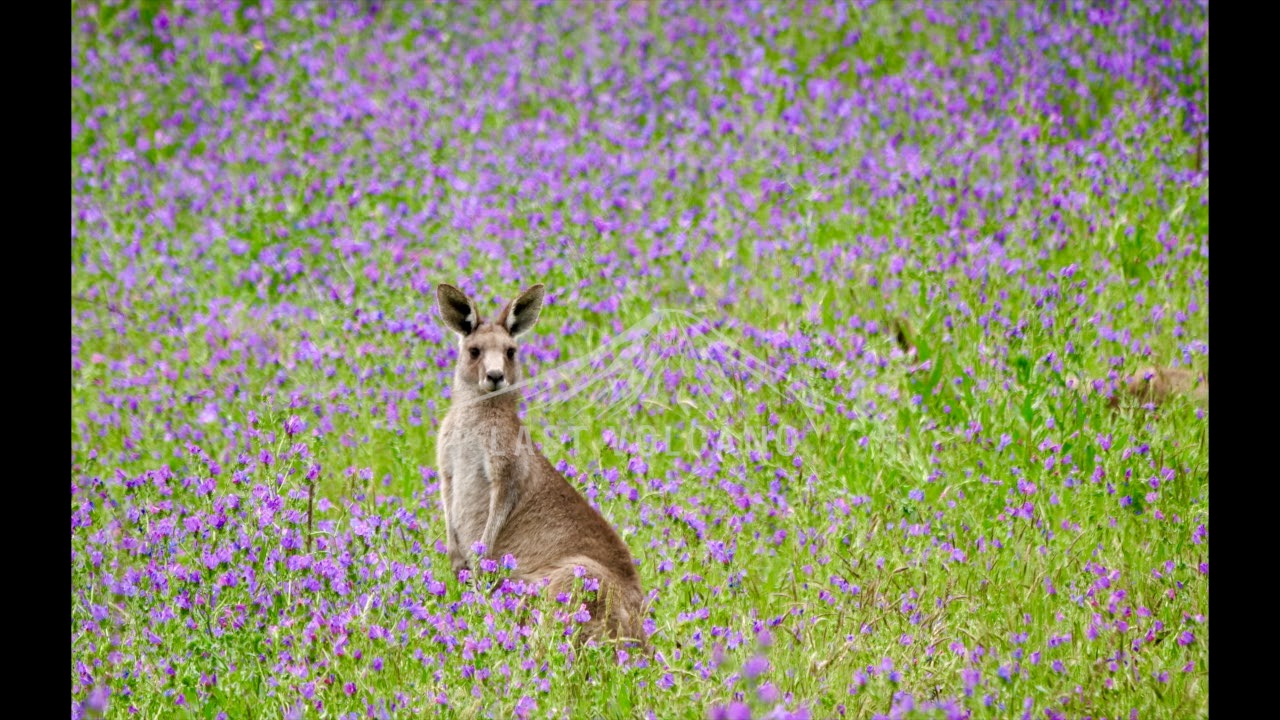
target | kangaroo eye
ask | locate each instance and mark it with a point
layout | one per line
(511, 353)
(475, 353)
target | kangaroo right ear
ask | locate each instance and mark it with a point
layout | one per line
(457, 310)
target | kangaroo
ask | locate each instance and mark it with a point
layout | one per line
(1156, 385)
(505, 494)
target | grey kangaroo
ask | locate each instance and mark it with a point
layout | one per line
(505, 493)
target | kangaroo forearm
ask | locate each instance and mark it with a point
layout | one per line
(446, 500)
(454, 549)
(446, 506)
(502, 499)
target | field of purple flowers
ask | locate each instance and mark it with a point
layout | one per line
(894, 265)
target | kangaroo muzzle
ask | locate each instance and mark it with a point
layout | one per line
(494, 376)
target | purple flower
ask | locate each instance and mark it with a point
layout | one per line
(97, 700)
(764, 638)
(768, 693)
(756, 666)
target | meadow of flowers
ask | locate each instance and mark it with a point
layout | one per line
(866, 457)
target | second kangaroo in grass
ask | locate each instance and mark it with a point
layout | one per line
(1157, 385)
(504, 493)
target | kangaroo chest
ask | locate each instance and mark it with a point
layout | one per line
(476, 455)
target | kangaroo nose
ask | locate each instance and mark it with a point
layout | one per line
(495, 375)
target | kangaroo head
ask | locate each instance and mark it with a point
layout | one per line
(487, 349)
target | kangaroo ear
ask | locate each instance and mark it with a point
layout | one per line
(457, 310)
(521, 314)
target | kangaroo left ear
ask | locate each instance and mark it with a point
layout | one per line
(521, 314)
